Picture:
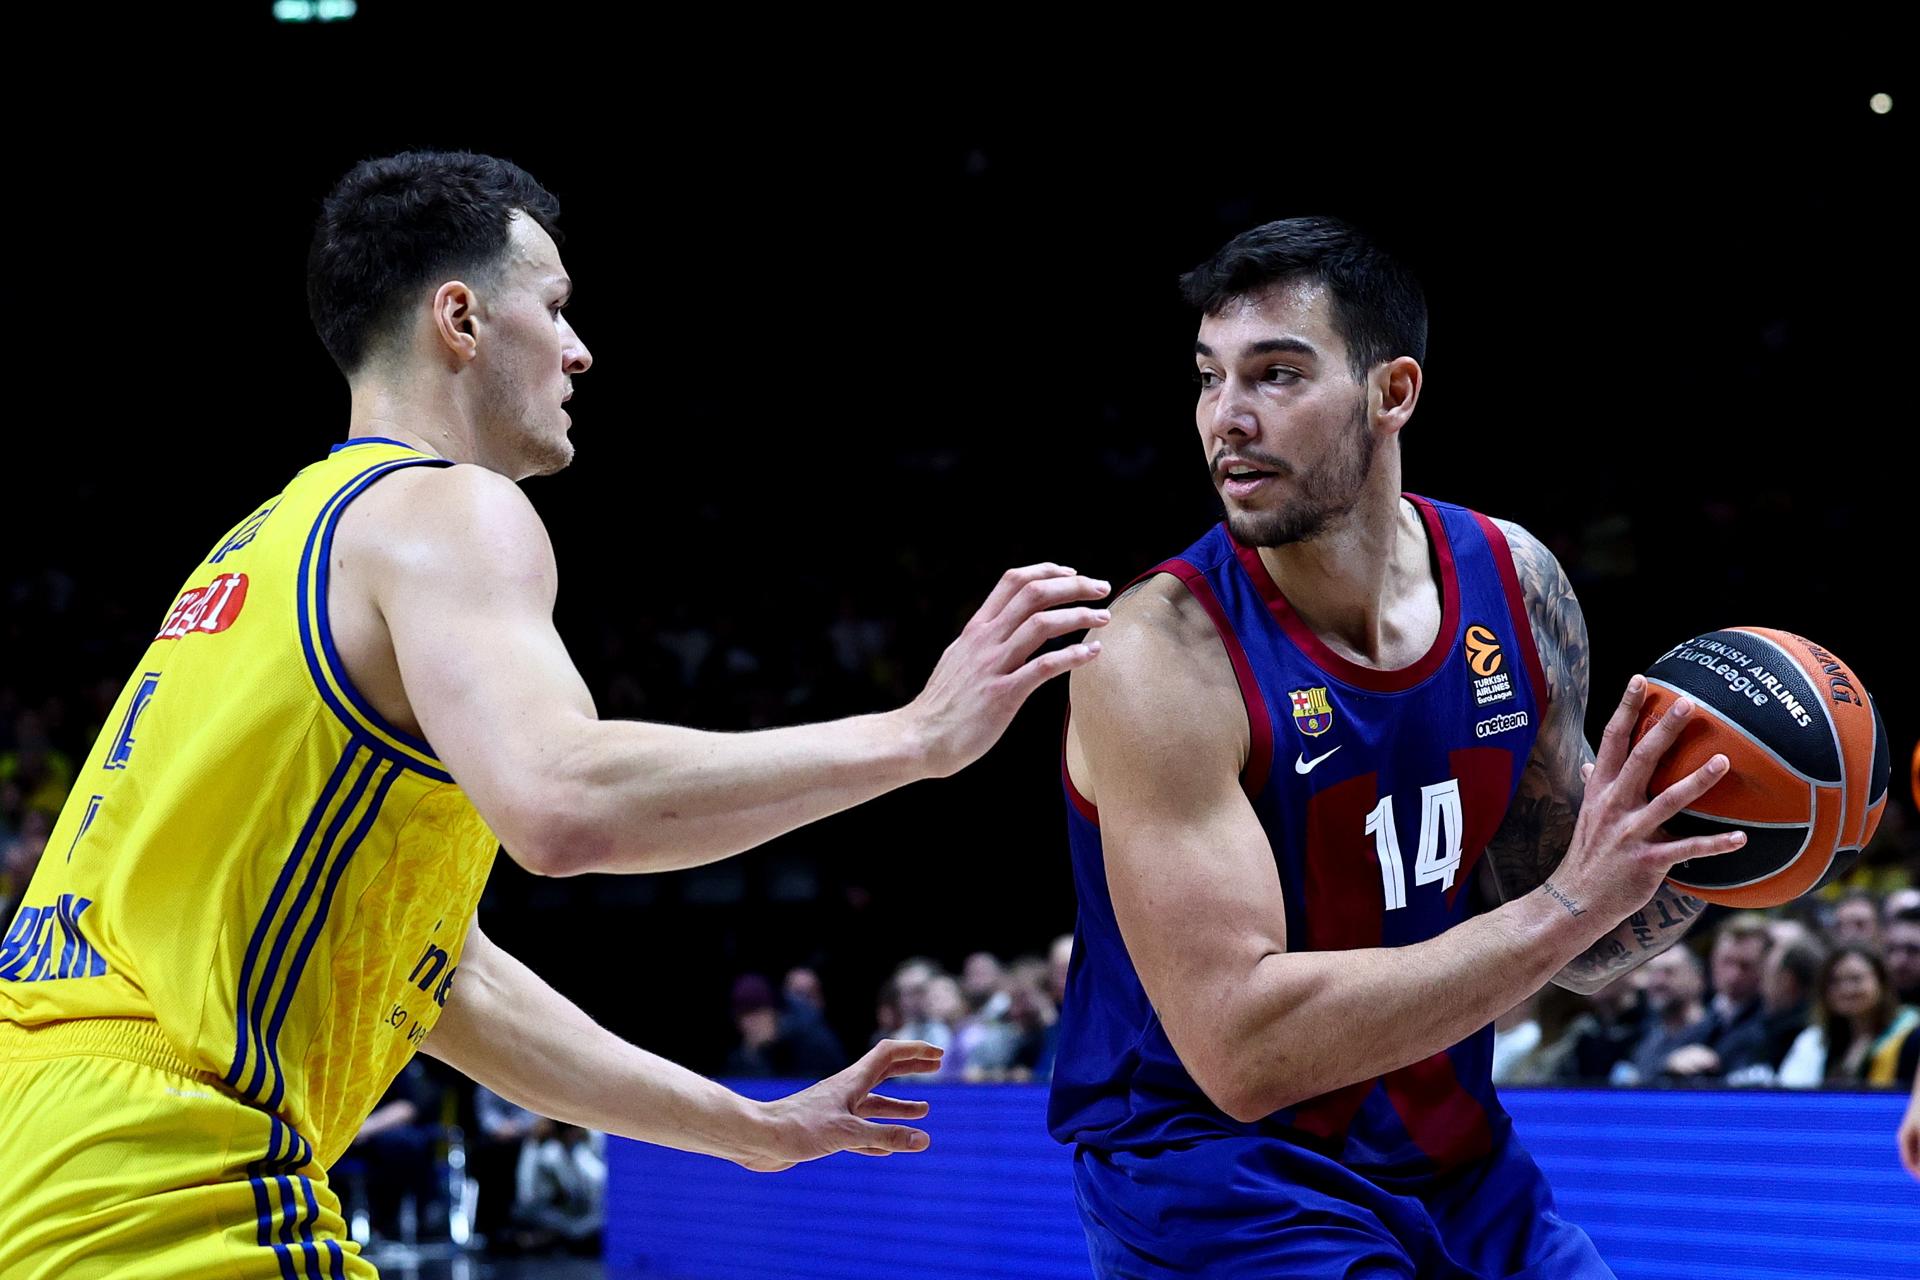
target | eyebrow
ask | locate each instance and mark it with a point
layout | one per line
(567, 291)
(1265, 347)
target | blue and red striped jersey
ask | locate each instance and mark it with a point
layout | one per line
(1378, 791)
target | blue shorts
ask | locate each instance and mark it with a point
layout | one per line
(1235, 1208)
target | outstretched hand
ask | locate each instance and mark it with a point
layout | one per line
(843, 1113)
(989, 671)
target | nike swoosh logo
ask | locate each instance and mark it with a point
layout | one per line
(1304, 765)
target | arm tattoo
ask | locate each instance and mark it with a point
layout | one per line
(1645, 934)
(1539, 824)
(1573, 907)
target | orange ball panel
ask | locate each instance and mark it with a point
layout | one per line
(1757, 788)
(1790, 883)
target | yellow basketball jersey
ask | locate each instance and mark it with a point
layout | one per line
(252, 857)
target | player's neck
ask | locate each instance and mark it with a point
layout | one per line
(423, 417)
(1365, 585)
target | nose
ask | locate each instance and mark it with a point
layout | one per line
(1234, 414)
(574, 356)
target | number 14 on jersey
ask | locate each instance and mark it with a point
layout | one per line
(1441, 836)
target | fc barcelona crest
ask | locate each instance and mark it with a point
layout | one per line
(1312, 713)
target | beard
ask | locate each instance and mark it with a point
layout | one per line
(1326, 493)
(545, 456)
(511, 414)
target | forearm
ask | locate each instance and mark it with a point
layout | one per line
(507, 1029)
(1638, 939)
(656, 797)
(1531, 843)
(1315, 1021)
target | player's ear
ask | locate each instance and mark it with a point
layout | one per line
(1393, 390)
(453, 320)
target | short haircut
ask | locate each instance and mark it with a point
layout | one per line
(392, 225)
(1378, 308)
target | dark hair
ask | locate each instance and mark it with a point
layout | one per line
(1378, 306)
(1744, 926)
(1802, 960)
(391, 225)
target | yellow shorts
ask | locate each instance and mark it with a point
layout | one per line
(118, 1159)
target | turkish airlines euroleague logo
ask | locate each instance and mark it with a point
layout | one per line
(1483, 651)
(1488, 662)
(206, 610)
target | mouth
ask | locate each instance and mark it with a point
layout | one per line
(1241, 480)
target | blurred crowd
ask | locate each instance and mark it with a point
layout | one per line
(1827, 994)
(1822, 993)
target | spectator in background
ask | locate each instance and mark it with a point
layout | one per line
(19, 855)
(1856, 919)
(775, 1044)
(1516, 1033)
(1784, 931)
(1059, 961)
(1033, 1017)
(1738, 958)
(802, 989)
(1858, 1032)
(806, 1009)
(1753, 1056)
(1902, 949)
(980, 978)
(1029, 970)
(913, 980)
(1672, 984)
(1557, 1013)
(946, 1012)
(560, 1189)
(493, 1158)
(395, 1146)
(1603, 1037)
(887, 1018)
(1898, 903)
(986, 1040)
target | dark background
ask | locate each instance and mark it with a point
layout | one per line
(869, 328)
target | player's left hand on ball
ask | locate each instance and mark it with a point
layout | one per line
(841, 1112)
(989, 671)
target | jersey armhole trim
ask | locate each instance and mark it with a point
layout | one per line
(1259, 766)
(316, 634)
(1517, 609)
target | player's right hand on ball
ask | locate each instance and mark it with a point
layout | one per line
(840, 1113)
(985, 674)
(1619, 855)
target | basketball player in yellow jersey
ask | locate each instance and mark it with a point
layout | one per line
(259, 900)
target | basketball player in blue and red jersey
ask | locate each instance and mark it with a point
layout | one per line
(1332, 811)
(265, 898)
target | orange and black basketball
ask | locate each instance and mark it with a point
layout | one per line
(1811, 765)
(1916, 775)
